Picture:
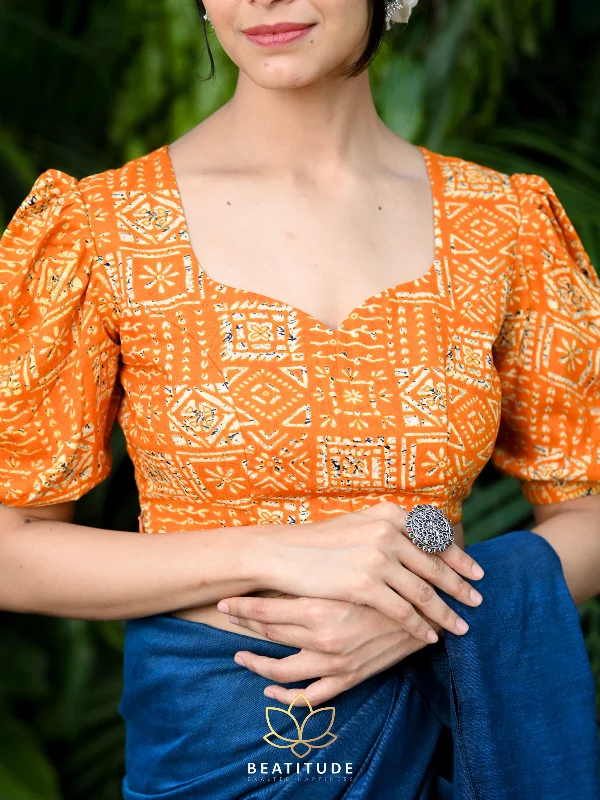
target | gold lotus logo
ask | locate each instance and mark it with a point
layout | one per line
(300, 746)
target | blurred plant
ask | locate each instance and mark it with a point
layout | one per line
(507, 83)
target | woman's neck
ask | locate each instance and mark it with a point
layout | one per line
(314, 131)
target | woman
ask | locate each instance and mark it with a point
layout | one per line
(401, 318)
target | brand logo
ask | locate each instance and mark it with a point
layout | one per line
(286, 732)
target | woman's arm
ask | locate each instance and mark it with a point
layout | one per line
(573, 529)
(50, 566)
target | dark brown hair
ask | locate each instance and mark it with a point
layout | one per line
(376, 31)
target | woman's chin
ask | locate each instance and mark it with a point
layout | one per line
(271, 75)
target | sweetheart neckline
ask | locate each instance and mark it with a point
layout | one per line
(428, 157)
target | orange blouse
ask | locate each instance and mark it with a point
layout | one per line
(239, 409)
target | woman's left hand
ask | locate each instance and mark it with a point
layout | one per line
(342, 643)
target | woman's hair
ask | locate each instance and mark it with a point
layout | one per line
(376, 31)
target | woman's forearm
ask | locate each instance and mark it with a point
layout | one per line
(575, 535)
(63, 569)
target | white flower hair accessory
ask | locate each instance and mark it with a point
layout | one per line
(398, 11)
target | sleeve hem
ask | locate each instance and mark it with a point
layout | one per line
(547, 492)
(63, 494)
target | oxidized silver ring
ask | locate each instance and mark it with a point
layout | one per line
(429, 528)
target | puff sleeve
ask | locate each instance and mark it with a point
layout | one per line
(59, 350)
(548, 355)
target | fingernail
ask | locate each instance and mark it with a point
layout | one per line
(235, 620)
(269, 693)
(432, 637)
(477, 571)
(222, 606)
(461, 626)
(239, 660)
(475, 596)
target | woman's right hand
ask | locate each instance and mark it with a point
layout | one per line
(366, 557)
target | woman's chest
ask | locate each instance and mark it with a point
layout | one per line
(233, 393)
(321, 243)
(244, 395)
(324, 254)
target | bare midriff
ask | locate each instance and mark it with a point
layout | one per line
(210, 615)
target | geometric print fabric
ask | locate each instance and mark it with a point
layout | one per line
(239, 409)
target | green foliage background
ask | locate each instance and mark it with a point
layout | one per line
(512, 84)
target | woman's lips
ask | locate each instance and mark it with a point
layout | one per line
(267, 38)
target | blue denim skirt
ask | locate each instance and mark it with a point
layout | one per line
(505, 711)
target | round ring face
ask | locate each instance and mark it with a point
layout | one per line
(429, 528)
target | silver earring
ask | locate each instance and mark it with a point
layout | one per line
(206, 19)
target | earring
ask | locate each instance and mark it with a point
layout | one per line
(398, 11)
(206, 19)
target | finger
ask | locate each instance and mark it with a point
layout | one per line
(293, 635)
(391, 603)
(434, 569)
(455, 557)
(318, 692)
(461, 562)
(265, 609)
(423, 596)
(301, 666)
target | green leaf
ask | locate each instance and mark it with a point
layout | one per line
(25, 771)
(402, 97)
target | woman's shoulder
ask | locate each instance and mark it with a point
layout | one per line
(70, 225)
(464, 177)
(150, 170)
(147, 172)
(514, 199)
